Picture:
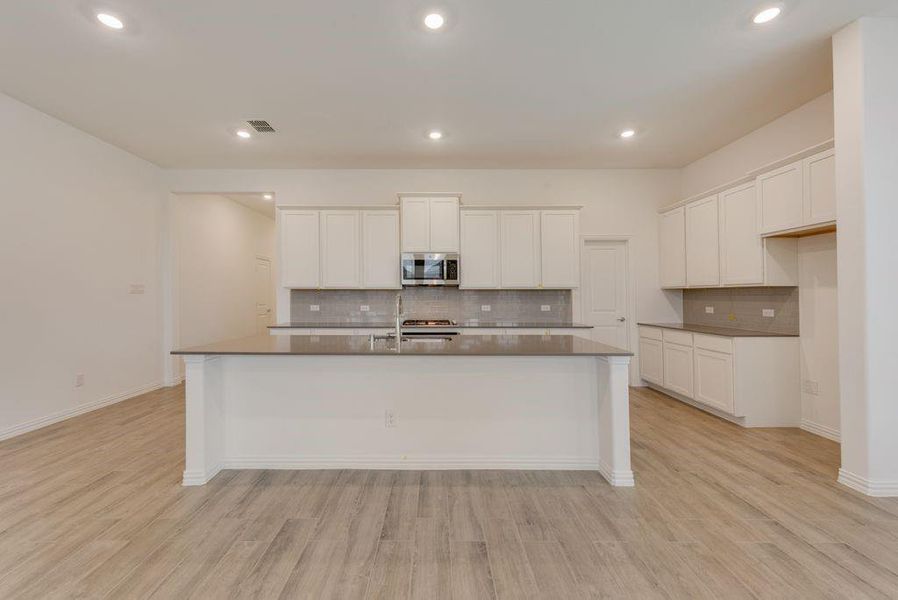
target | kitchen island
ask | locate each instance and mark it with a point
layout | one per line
(467, 402)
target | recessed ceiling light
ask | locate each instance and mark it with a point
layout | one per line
(267, 196)
(110, 21)
(434, 21)
(435, 135)
(243, 133)
(767, 15)
(627, 133)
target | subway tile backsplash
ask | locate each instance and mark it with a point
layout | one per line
(742, 308)
(344, 306)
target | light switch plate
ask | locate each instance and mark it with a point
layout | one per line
(709, 310)
(485, 308)
(136, 288)
(314, 307)
(364, 308)
(768, 312)
(545, 307)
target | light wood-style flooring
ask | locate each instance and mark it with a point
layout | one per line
(93, 508)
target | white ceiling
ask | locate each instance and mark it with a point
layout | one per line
(358, 83)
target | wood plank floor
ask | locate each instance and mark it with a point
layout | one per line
(93, 508)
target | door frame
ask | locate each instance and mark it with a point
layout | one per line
(272, 286)
(577, 300)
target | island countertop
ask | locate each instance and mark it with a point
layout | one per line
(360, 345)
(471, 324)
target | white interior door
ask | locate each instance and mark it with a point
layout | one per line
(605, 294)
(263, 294)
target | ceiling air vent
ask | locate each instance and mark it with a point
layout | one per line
(261, 126)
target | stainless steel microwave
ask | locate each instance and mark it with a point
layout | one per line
(429, 269)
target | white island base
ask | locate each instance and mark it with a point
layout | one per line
(407, 412)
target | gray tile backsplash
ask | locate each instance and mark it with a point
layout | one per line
(344, 306)
(741, 308)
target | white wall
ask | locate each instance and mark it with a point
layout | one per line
(217, 241)
(79, 223)
(801, 128)
(614, 202)
(819, 322)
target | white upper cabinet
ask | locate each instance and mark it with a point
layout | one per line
(380, 249)
(820, 188)
(444, 225)
(702, 249)
(741, 251)
(519, 251)
(672, 248)
(429, 224)
(479, 249)
(299, 243)
(560, 256)
(780, 197)
(340, 249)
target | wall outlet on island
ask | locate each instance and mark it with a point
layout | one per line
(485, 308)
(545, 307)
(314, 307)
(768, 312)
(709, 310)
(389, 419)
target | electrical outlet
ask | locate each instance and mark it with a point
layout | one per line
(136, 288)
(79, 380)
(485, 308)
(545, 307)
(389, 419)
(768, 312)
(731, 317)
(314, 307)
(810, 386)
(364, 308)
(709, 310)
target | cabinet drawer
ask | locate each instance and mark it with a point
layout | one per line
(713, 342)
(684, 338)
(651, 333)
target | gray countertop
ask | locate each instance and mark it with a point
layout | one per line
(721, 331)
(462, 325)
(360, 345)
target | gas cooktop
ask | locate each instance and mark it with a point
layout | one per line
(428, 323)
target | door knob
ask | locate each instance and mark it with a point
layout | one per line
(622, 319)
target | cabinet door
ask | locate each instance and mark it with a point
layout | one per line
(651, 360)
(672, 247)
(380, 249)
(479, 249)
(714, 379)
(820, 188)
(780, 198)
(559, 252)
(519, 248)
(299, 249)
(443, 225)
(340, 235)
(741, 250)
(415, 224)
(678, 368)
(702, 249)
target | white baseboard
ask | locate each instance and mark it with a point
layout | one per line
(173, 382)
(617, 478)
(38, 423)
(829, 433)
(191, 478)
(411, 463)
(881, 489)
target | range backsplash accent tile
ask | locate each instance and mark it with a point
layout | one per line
(741, 308)
(344, 306)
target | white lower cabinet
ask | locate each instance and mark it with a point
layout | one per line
(714, 379)
(678, 370)
(753, 381)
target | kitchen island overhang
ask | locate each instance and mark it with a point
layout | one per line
(476, 402)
